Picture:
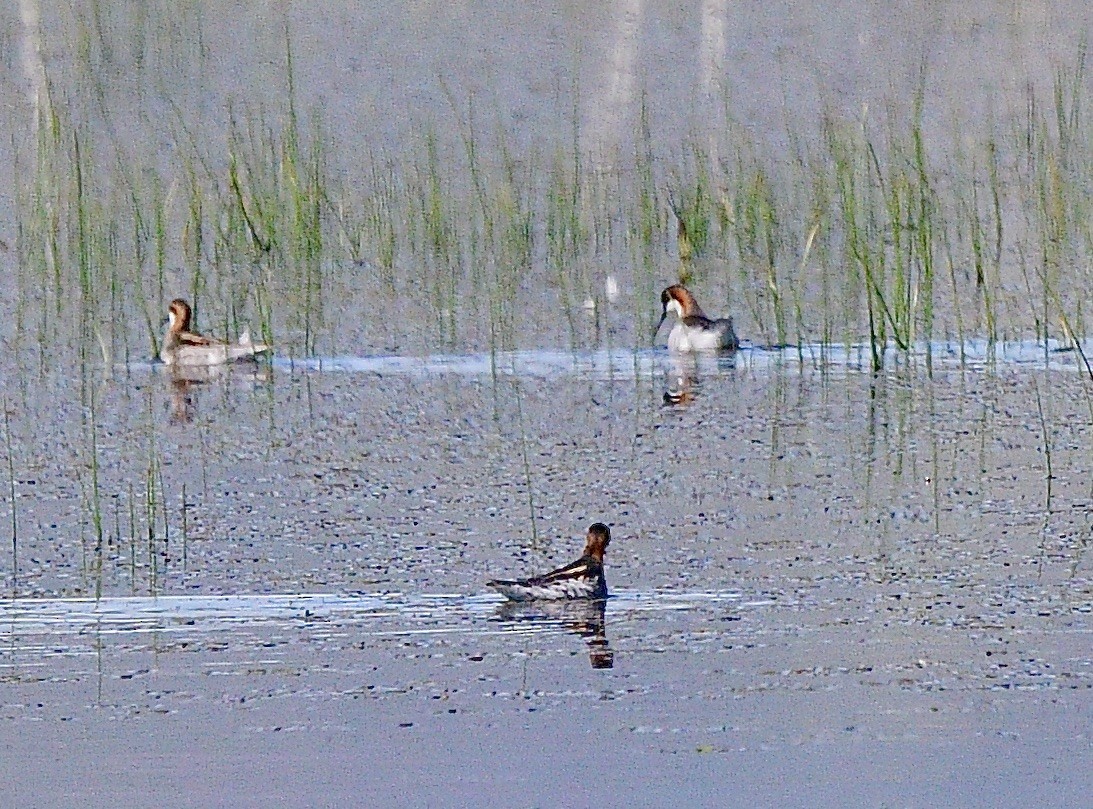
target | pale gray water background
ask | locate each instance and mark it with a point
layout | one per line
(831, 588)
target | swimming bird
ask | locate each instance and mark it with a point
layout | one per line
(581, 579)
(184, 347)
(694, 331)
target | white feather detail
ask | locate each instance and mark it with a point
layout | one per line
(552, 591)
(684, 338)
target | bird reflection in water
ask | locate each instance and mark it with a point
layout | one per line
(186, 382)
(684, 376)
(679, 390)
(183, 401)
(584, 618)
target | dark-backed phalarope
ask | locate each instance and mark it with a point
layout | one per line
(581, 579)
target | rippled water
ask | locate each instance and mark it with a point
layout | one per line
(809, 562)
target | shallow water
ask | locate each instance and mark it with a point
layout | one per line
(810, 564)
(265, 585)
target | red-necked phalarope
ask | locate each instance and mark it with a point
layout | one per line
(581, 579)
(694, 331)
(184, 347)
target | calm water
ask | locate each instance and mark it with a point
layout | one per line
(265, 585)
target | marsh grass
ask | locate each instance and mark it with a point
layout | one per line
(644, 216)
(92, 493)
(526, 464)
(184, 530)
(14, 515)
(1046, 444)
(499, 238)
(862, 229)
(690, 198)
(132, 501)
(126, 500)
(564, 238)
(154, 503)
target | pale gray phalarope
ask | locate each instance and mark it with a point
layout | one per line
(184, 347)
(581, 579)
(694, 331)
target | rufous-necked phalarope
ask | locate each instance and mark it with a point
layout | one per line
(184, 347)
(694, 331)
(581, 579)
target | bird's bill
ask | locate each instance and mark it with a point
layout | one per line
(660, 323)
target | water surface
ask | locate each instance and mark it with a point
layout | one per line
(809, 563)
(837, 579)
